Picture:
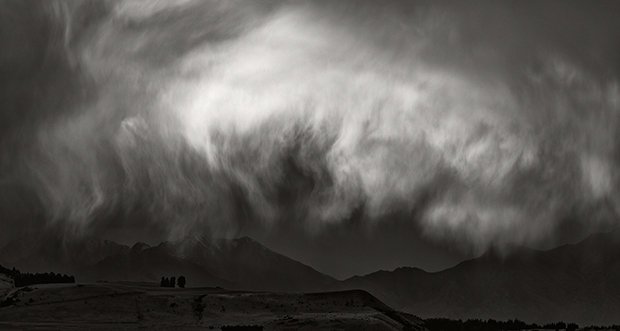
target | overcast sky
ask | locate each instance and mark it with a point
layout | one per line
(351, 135)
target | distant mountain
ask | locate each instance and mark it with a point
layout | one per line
(45, 252)
(145, 263)
(232, 263)
(251, 265)
(578, 282)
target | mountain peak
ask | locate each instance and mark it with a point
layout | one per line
(246, 239)
(139, 246)
(536, 285)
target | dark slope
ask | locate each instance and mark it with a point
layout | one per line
(130, 306)
(578, 282)
(145, 263)
(232, 263)
(45, 252)
(250, 265)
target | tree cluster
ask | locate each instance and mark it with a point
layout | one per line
(444, 324)
(24, 279)
(615, 327)
(172, 282)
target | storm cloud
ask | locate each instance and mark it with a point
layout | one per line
(485, 125)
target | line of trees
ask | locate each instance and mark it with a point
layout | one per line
(172, 282)
(24, 279)
(615, 327)
(445, 324)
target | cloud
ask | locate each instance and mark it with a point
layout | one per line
(207, 115)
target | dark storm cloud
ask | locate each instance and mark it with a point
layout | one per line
(485, 122)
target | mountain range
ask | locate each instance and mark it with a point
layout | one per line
(531, 285)
(240, 263)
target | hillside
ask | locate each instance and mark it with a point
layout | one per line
(232, 263)
(129, 306)
(531, 285)
(5, 282)
(250, 265)
(51, 253)
(536, 286)
(143, 263)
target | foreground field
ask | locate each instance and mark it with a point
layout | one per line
(126, 306)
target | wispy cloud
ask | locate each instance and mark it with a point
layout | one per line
(209, 114)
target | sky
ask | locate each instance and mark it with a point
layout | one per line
(352, 135)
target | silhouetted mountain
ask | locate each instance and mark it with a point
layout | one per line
(531, 285)
(232, 263)
(48, 252)
(145, 263)
(578, 282)
(250, 265)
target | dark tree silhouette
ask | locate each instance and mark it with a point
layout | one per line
(444, 324)
(165, 282)
(172, 281)
(181, 281)
(24, 279)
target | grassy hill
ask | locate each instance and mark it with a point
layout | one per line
(105, 306)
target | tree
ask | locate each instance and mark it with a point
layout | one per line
(181, 281)
(172, 281)
(165, 282)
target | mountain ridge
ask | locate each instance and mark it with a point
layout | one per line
(529, 284)
(240, 263)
